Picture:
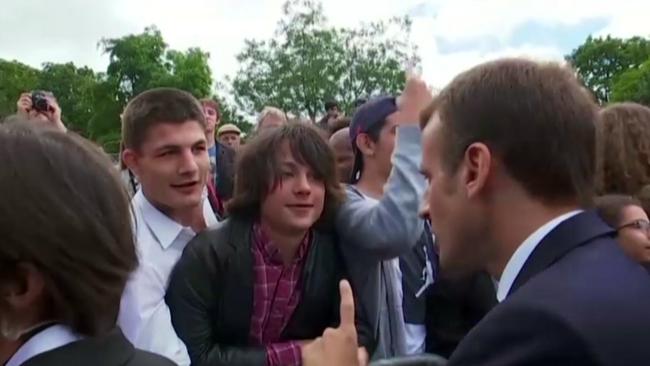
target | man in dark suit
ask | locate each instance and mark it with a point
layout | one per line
(222, 159)
(66, 252)
(509, 152)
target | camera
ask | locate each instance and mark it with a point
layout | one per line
(39, 101)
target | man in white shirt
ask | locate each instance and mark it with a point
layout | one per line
(164, 134)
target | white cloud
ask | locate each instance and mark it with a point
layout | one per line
(34, 32)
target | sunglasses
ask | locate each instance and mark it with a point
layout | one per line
(642, 225)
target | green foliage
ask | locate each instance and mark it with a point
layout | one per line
(308, 62)
(601, 61)
(15, 78)
(633, 85)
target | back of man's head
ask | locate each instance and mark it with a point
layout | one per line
(536, 118)
(154, 107)
(67, 245)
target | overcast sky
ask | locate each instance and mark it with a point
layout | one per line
(452, 35)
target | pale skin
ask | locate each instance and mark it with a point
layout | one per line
(51, 117)
(338, 346)
(172, 166)
(479, 213)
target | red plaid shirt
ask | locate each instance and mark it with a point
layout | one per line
(276, 294)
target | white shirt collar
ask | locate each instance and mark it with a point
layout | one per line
(46, 340)
(521, 255)
(162, 227)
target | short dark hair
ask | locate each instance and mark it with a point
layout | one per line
(535, 116)
(258, 169)
(75, 228)
(610, 207)
(156, 106)
(331, 104)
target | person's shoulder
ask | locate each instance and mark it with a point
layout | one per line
(221, 239)
(144, 358)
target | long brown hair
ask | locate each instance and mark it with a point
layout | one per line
(258, 169)
(623, 159)
(64, 211)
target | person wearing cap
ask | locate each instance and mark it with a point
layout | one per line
(388, 247)
(229, 135)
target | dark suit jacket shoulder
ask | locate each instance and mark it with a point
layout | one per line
(579, 300)
(225, 171)
(112, 349)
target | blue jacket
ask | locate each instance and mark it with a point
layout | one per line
(578, 300)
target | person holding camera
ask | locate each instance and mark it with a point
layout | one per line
(41, 108)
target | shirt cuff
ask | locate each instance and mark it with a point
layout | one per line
(281, 354)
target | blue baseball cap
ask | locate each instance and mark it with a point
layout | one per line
(372, 114)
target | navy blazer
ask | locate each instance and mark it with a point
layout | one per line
(578, 300)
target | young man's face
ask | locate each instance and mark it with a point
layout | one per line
(211, 119)
(230, 139)
(296, 202)
(172, 165)
(382, 149)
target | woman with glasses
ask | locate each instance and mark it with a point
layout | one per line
(626, 215)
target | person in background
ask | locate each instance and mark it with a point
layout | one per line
(269, 118)
(509, 152)
(340, 143)
(262, 285)
(388, 248)
(230, 135)
(623, 151)
(626, 215)
(332, 113)
(65, 255)
(165, 146)
(222, 160)
(40, 108)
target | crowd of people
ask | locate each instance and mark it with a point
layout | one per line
(502, 221)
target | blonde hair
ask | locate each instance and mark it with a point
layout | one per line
(270, 111)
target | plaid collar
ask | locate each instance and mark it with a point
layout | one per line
(269, 249)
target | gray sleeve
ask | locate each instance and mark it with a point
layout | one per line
(392, 226)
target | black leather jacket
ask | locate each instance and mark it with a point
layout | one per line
(210, 296)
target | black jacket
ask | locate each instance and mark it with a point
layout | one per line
(454, 307)
(112, 349)
(210, 296)
(225, 171)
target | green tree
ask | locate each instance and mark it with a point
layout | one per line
(15, 78)
(139, 62)
(633, 85)
(600, 61)
(309, 62)
(74, 90)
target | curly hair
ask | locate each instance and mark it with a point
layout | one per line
(623, 145)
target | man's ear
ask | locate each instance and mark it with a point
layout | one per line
(25, 288)
(477, 168)
(365, 144)
(130, 159)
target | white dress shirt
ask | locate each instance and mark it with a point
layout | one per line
(520, 256)
(50, 338)
(144, 316)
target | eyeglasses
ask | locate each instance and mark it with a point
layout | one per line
(642, 225)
